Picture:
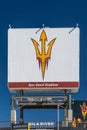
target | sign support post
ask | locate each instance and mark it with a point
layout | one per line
(21, 120)
(58, 116)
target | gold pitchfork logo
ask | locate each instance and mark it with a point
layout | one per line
(43, 57)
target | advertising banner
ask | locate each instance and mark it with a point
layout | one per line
(43, 61)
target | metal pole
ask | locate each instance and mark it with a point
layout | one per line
(69, 102)
(13, 112)
(21, 110)
(58, 116)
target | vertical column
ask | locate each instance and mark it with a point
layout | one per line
(58, 116)
(70, 111)
(66, 110)
(66, 117)
(13, 113)
(21, 120)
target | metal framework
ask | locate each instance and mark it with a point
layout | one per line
(41, 102)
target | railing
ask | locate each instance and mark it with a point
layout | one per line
(6, 125)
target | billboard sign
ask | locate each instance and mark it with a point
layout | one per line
(80, 110)
(44, 61)
(34, 126)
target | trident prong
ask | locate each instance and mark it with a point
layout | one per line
(43, 57)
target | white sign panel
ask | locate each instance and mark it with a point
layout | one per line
(45, 60)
